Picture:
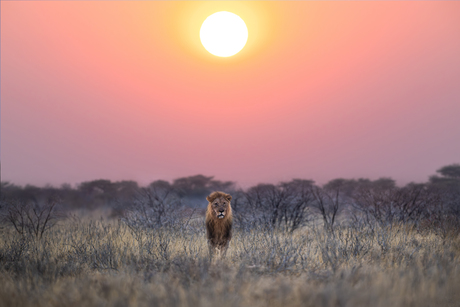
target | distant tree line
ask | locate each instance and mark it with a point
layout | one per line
(287, 205)
(107, 194)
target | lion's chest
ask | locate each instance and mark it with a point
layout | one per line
(219, 233)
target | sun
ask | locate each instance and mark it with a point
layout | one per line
(223, 34)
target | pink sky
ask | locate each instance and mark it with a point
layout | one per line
(124, 90)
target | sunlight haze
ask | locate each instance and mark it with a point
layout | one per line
(321, 90)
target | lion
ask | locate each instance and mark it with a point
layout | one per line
(219, 221)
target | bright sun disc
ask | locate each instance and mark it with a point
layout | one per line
(223, 34)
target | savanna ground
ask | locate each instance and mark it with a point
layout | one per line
(346, 243)
(103, 262)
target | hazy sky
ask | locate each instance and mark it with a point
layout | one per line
(125, 90)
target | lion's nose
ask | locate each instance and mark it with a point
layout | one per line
(221, 210)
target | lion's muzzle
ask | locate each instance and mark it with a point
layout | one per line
(221, 215)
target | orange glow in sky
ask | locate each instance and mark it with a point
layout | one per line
(125, 90)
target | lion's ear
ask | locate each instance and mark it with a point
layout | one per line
(209, 199)
(228, 197)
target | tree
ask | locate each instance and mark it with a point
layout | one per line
(450, 171)
(199, 186)
(349, 187)
(193, 186)
(99, 193)
(448, 187)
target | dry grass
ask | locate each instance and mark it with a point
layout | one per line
(105, 263)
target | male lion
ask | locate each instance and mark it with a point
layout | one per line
(219, 222)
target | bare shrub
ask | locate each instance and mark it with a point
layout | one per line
(95, 263)
(295, 212)
(270, 250)
(441, 223)
(282, 206)
(328, 203)
(409, 204)
(155, 213)
(343, 245)
(153, 207)
(31, 218)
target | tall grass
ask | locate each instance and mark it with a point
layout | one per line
(107, 263)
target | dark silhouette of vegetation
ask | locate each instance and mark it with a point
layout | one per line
(450, 171)
(200, 186)
(447, 185)
(287, 205)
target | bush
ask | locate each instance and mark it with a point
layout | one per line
(31, 218)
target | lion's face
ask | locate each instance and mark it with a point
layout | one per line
(219, 204)
(220, 207)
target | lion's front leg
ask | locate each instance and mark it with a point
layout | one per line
(223, 250)
(211, 248)
(223, 247)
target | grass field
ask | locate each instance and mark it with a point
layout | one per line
(105, 263)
